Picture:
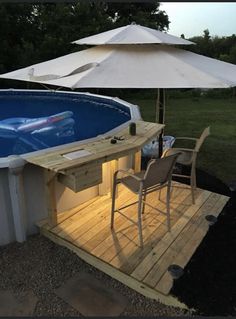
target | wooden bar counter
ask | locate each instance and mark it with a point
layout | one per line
(80, 166)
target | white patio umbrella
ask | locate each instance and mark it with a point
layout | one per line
(137, 34)
(142, 66)
(124, 65)
(133, 34)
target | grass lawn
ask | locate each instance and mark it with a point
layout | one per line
(189, 116)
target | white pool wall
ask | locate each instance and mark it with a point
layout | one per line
(23, 197)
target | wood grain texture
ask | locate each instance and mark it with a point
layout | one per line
(101, 150)
(86, 230)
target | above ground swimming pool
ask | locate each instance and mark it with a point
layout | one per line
(31, 120)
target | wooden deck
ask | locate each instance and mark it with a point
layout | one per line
(86, 230)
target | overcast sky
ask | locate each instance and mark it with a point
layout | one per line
(191, 18)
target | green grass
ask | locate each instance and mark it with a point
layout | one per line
(189, 116)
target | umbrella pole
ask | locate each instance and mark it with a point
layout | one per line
(160, 116)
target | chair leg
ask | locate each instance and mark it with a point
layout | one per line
(143, 202)
(194, 178)
(113, 201)
(159, 195)
(140, 218)
(168, 191)
(193, 183)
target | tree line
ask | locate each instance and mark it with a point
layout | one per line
(222, 48)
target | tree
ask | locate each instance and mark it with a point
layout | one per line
(31, 33)
(223, 48)
(232, 54)
(206, 36)
(18, 26)
(204, 44)
(146, 13)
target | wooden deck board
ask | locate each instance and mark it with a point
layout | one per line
(164, 243)
(188, 248)
(154, 227)
(86, 230)
(151, 241)
(155, 274)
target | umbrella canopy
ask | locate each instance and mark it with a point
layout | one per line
(131, 57)
(122, 66)
(133, 34)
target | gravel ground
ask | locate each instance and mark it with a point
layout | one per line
(41, 266)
